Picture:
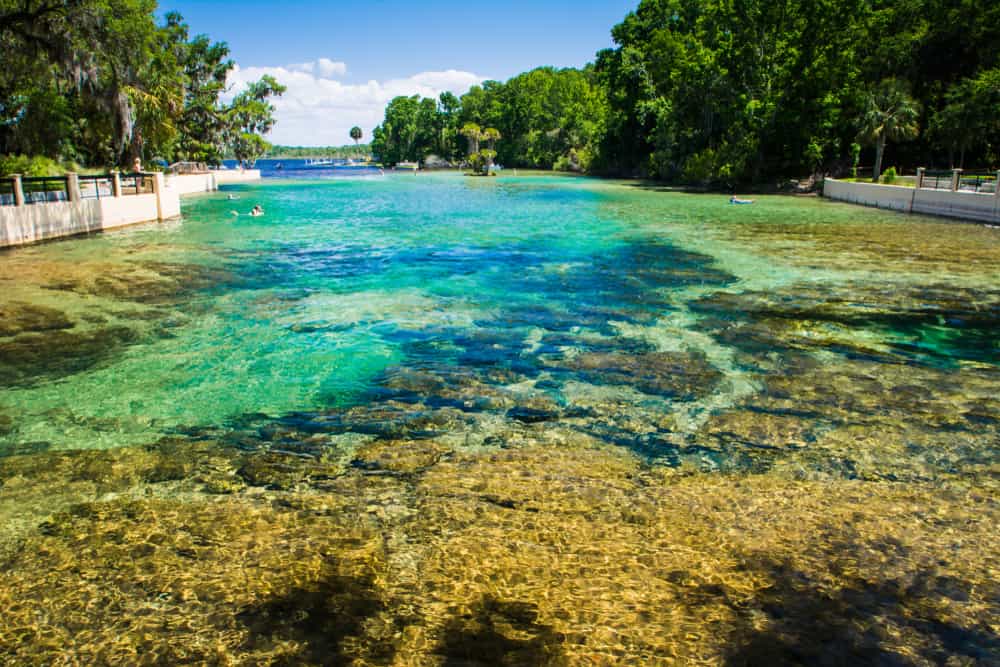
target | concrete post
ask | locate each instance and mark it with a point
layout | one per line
(956, 179)
(116, 184)
(920, 177)
(996, 186)
(18, 190)
(158, 185)
(72, 186)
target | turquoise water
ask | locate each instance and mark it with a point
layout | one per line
(430, 419)
(345, 283)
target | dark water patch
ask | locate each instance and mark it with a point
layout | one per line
(499, 632)
(31, 358)
(680, 376)
(150, 282)
(386, 421)
(327, 618)
(926, 325)
(19, 318)
(527, 415)
(809, 622)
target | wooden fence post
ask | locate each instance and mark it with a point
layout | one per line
(72, 186)
(116, 184)
(18, 190)
(956, 179)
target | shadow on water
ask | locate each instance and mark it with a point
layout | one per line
(322, 617)
(798, 620)
(497, 632)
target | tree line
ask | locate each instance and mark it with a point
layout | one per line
(101, 82)
(727, 91)
(342, 152)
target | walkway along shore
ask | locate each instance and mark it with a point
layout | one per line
(953, 202)
(40, 209)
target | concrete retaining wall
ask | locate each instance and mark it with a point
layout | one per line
(964, 205)
(227, 176)
(188, 184)
(40, 222)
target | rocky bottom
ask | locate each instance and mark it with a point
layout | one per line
(420, 552)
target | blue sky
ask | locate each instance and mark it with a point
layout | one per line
(343, 60)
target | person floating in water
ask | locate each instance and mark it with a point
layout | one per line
(257, 211)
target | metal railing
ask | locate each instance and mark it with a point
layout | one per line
(136, 184)
(937, 179)
(188, 168)
(7, 192)
(96, 187)
(985, 182)
(22, 191)
(44, 189)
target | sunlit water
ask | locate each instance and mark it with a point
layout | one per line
(561, 419)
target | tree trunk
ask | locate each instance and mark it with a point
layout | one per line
(879, 149)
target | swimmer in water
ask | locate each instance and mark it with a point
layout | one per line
(257, 211)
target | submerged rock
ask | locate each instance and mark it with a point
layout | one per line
(18, 317)
(681, 376)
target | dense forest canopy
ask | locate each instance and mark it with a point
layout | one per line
(725, 91)
(100, 82)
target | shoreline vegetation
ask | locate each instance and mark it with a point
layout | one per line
(712, 94)
(103, 84)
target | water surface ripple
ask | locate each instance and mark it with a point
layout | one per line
(525, 420)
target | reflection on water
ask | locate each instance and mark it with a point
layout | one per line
(532, 421)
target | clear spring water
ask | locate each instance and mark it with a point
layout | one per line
(549, 418)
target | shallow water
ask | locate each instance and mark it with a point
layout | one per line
(536, 419)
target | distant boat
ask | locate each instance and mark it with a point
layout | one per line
(408, 166)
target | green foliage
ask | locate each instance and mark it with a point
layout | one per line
(356, 134)
(855, 154)
(33, 166)
(100, 82)
(250, 116)
(891, 115)
(351, 151)
(546, 115)
(889, 176)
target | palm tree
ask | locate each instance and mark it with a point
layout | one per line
(356, 134)
(891, 116)
(491, 136)
(473, 133)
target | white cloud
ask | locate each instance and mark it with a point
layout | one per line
(318, 110)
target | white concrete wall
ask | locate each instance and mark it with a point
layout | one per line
(40, 222)
(227, 176)
(187, 184)
(964, 205)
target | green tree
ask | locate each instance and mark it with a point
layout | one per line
(356, 134)
(473, 135)
(250, 116)
(891, 115)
